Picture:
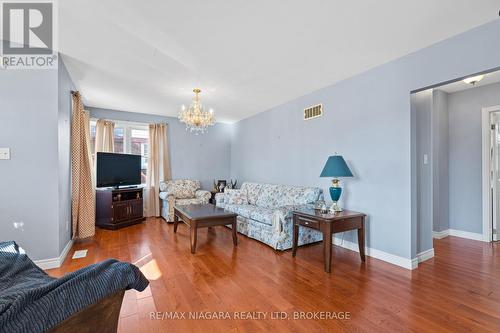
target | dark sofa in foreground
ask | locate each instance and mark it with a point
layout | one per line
(87, 300)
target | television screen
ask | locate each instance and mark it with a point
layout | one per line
(118, 169)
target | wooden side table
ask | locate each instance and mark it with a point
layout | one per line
(329, 224)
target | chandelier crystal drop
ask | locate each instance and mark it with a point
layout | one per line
(196, 118)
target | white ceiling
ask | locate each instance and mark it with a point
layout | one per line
(246, 56)
(489, 78)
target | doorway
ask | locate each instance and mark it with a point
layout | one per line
(456, 161)
(491, 172)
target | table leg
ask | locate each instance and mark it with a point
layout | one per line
(295, 238)
(176, 222)
(361, 240)
(194, 235)
(327, 245)
(233, 226)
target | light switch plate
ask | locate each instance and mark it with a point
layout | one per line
(426, 159)
(4, 153)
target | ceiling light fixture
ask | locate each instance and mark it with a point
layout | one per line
(473, 79)
(196, 118)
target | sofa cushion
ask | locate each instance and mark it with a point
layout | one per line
(294, 195)
(255, 213)
(269, 195)
(253, 190)
(243, 210)
(236, 197)
(274, 196)
(263, 215)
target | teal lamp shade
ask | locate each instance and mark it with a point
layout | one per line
(336, 167)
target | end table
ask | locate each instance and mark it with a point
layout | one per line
(329, 224)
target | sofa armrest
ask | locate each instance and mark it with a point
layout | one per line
(283, 214)
(288, 210)
(219, 198)
(202, 194)
(165, 195)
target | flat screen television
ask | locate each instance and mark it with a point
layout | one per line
(118, 169)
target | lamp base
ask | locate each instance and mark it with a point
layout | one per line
(335, 207)
(335, 193)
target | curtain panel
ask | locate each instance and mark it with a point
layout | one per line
(82, 188)
(158, 167)
(104, 136)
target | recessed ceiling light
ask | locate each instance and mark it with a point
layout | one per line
(473, 79)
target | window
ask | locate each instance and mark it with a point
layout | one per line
(139, 145)
(129, 138)
(118, 139)
(92, 138)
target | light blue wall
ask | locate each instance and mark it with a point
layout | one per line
(203, 157)
(440, 162)
(65, 85)
(422, 105)
(35, 109)
(465, 155)
(367, 119)
(430, 115)
(29, 180)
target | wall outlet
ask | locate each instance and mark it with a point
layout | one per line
(4, 153)
(426, 159)
(67, 225)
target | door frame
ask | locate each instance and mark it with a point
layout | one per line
(486, 170)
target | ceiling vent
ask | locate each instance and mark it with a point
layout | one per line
(313, 112)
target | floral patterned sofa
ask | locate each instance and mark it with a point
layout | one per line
(180, 192)
(265, 212)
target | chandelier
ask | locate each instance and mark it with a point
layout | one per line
(196, 118)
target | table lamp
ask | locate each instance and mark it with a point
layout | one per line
(336, 167)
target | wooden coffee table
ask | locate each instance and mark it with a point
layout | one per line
(203, 216)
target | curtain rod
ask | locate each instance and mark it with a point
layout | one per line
(132, 122)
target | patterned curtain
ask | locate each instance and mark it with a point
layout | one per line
(82, 189)
(104, 135)
(158, 167)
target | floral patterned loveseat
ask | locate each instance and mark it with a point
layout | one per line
(265, 212)
(180, 192)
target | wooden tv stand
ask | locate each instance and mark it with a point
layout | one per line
(118, 208)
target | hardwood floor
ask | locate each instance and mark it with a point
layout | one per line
(457, 291)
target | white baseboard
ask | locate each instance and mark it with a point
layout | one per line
(377, 254)
(441, 234)
(425, 255)
(55, 262)
(466, 234)
(457, 233)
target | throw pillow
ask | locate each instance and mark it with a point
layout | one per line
(235, 197)
(183, 188)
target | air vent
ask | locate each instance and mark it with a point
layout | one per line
(313, 112)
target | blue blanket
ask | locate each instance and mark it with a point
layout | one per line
(32, 301)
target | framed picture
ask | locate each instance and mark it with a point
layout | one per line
(221, 185)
